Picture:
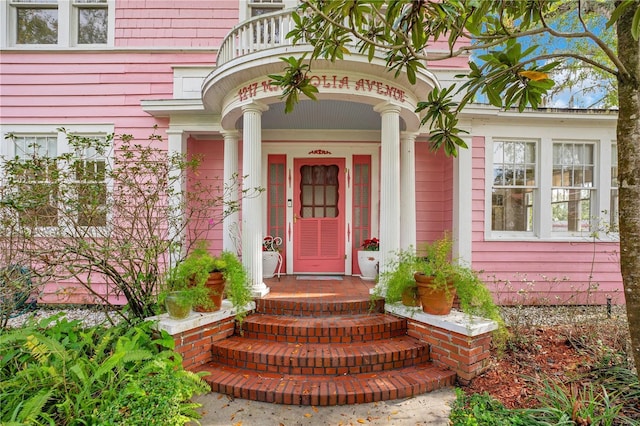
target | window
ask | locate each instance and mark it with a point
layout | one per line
(91, 188)
(60, 22)
(514, 185)
(556, 187)
(39, 194)
(319, 190)
(613, 210)
(266, 31)
(91, 21)
(37, 23)
(58, 186)
(572, 187)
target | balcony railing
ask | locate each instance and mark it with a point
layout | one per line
(256, 34)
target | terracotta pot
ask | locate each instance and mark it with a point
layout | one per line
(410, 297)
(215, 284)
(434, 301)
(177, 305)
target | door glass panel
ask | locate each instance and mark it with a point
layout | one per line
(307, 195)
(319, 188)
(331, 196)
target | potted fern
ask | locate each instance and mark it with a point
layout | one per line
(433, 272)
(437, 276)
(179, 296)
(218, 275)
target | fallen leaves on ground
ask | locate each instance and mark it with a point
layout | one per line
(513, 377)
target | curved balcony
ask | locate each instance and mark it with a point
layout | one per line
(259, 33)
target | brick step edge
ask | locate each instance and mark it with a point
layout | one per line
(327, 391)
(318, 307)
(320, 359)
(343, 329)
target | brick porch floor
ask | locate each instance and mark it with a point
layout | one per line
(348, 288)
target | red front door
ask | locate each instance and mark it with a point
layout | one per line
(318, 216)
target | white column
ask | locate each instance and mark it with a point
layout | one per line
(231, 224)
(389, 182)
(462, 203)
(177, 145)
(252, 217)
(408, 187)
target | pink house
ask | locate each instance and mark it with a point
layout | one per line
(523, 203)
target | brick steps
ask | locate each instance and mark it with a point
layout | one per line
(327, 390)
(320, 359)
(318, 307)
(338, 329)
(319, 352)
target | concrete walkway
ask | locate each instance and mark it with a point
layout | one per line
(430, 409)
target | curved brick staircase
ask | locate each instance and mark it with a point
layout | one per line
(318, 352)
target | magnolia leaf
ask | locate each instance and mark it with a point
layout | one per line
(635, 27)
(534, 75)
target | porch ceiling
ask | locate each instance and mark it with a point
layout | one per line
(322, 114)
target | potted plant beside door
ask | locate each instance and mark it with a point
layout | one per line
(271, 257)
(369, 258)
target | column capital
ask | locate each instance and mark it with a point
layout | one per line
(387, 107)
(171, 131)
(409, 135)
(254, 106)
(230, 134)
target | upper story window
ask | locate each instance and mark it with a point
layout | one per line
(514, 186)
(260, 7)
(63, 23)
(573, 187)
(266, 31)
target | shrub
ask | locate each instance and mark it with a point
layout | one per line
(57, 372)
(482, 410)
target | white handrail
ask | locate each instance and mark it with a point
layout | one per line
(256, 34)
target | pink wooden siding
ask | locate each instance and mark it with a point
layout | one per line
(63, 88)
(172, 23)
(541, 271)
(433, 193)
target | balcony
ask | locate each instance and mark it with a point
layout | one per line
(259, 33)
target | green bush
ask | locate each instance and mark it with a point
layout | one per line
(57, 372)
(483, 410)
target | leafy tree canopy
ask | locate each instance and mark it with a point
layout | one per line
(501, 39)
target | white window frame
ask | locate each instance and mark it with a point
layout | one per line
(244, 13)
(594, 190)
(7, 150)
(613, 223)
(600, 204)
(536, 187)
(67, 26)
